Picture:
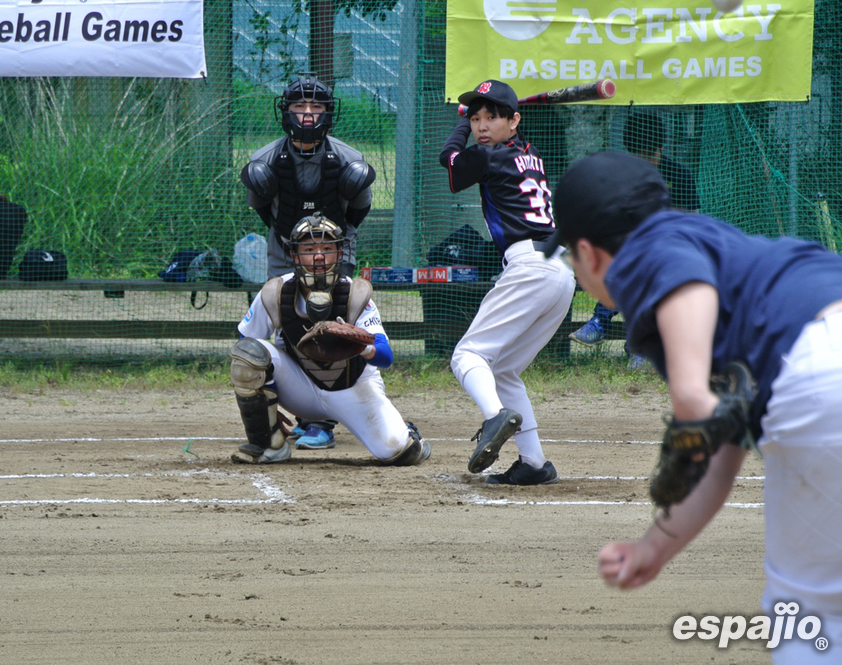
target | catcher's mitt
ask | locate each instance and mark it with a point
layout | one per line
(331, 341)
(688, 445)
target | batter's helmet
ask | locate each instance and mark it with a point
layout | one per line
(306, 88)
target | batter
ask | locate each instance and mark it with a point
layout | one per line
(529, 300)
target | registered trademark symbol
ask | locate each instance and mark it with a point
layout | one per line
(822, 643)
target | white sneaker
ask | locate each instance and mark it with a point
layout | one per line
(273, 456)
(248, 454)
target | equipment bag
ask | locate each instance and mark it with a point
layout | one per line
(194, 265)
(40, 265)
(466, 247)
(226, 274)
(179, 264)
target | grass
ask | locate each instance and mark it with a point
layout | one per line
(593, 375)
(118, 193)
(27, 377)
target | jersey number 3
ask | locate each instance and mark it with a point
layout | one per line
(539, 201)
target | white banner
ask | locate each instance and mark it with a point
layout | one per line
(149, 38)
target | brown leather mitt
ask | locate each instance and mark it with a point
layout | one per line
(330, 341)
(689, 445)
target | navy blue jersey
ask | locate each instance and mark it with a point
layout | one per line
(768, 289)
(515, 194)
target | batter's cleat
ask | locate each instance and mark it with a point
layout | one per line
(590, 334)
(251, 454)
(491, 437)
(316, 438)
(521, 473)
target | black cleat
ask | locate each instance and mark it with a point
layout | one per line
(416, 452)
(521, 473)
(492, 435)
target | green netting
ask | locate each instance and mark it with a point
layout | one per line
(121, 173)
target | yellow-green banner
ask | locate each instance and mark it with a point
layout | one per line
(656, 51)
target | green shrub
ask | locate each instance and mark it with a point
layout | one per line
(252, 113)
(120, 190)
(362, 119)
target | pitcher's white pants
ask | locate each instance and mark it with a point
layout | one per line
(802, 452)
(516, 319)
(363, 408)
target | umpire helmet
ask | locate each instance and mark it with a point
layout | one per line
(306, 88)
(320, 276)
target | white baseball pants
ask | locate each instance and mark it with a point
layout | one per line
(364, 408)
(516, 319)
(802, 451)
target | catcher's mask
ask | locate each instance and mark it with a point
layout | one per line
(306, 88)
(318, 272)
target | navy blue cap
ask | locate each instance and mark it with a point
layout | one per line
(495, 91)
(606, 194)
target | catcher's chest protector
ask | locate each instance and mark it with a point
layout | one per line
(347, 296)
(293, 204)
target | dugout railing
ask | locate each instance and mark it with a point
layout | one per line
(440, 328)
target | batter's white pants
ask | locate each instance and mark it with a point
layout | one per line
(802, 452)
(364, 408)
(515, 320)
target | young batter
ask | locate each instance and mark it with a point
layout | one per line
(267, 373)
(532, 295)
(697, 293)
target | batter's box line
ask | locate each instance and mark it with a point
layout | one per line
(479, 500)
(634, 441)
(482, 501)
(641, 477)
(263, 483)
(177, 439)
(131, 439)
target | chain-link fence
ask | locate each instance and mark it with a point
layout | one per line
(121, 174)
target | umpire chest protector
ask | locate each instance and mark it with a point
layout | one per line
(293, 203)
(349, 300)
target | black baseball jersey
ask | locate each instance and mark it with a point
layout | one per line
(515, 194)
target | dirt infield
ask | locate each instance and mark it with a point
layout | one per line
(119, 546)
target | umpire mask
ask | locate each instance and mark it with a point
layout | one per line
(317, 246)
(307, 88)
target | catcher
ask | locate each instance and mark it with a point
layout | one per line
(298, 352)
(698, 296)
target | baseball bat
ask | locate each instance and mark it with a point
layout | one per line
(603, 89)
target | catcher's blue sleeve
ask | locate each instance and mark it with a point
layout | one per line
(383, 356)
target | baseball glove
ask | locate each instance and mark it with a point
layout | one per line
(689, 445)
(331, 341)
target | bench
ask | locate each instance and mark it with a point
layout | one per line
(448, 308)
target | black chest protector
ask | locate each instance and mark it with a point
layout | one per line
(293, 204)
(327, 376)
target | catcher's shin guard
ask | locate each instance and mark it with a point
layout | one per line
(251, 366)
(416, 451)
